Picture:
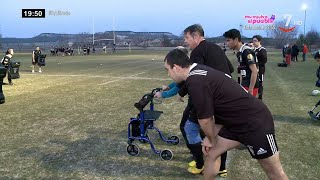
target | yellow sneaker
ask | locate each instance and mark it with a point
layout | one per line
(223, 173)
(192, 163)
(195, 170)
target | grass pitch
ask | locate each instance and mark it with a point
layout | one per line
(70, 122)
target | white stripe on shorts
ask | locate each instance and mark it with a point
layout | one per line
(271, 143)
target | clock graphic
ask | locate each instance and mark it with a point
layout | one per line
(33, 13)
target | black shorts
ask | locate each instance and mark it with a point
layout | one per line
(261, 144)
(35, 61)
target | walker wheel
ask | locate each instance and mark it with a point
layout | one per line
(174, 140)
(133, 149)
(166, 154)
(144, 141)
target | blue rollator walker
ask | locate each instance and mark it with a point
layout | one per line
(138, 128)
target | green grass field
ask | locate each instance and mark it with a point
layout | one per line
(70, 122)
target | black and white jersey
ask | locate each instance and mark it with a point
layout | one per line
(6, 60)
(261, 54)
(214, 93)
(246, 56)
(36, 54)
(210, 55)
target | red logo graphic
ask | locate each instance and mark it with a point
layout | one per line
(287, 30)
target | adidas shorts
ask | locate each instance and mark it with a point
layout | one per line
(260, 145)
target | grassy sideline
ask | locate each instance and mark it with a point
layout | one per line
(70, 121)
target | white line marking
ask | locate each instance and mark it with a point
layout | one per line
(137, 74)
(98, 76)
(120, 79)
(109, 82)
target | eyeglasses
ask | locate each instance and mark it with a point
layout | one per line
(255, 40)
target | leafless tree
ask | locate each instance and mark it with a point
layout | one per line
(282, 37)
(312, 37)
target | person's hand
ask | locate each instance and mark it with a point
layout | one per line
(158, 94)
(33, 60)
(250, 91)
(206, 146)
(164, 88)
(179, 98)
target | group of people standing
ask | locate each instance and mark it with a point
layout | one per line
(290, 52)
(7, 60)
(219, 112)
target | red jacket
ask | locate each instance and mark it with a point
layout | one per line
(305, 49)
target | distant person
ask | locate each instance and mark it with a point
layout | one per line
(56, 49)
(304, 52)
(104, 49)
(84, 50)
(294, 52)
(284, 50)
(36, 55)
(114, 48)
(93, 49)
(5, 61)
(247, 61)
(88, 50)
(52, 51)
(71, 51)
(288, 54)
(261, 54)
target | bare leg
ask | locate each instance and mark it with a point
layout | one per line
(212, 161)
(273, 168)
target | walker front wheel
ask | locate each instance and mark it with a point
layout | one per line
(166, 154)
(133, 149)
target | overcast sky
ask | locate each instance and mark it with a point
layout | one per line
(150, 15)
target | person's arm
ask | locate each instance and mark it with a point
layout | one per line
(171, 92)
(253, 79)
(172, 85)
(208, 143)
(262, 57)
(33, 56)
(207, 125)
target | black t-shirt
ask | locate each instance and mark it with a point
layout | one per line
(37, 54)
(214, 93)
(261, 54)
(5, 61)
(210, 55)
(246, 57)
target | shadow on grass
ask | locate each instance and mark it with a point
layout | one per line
(102, 153)
(306, 121)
